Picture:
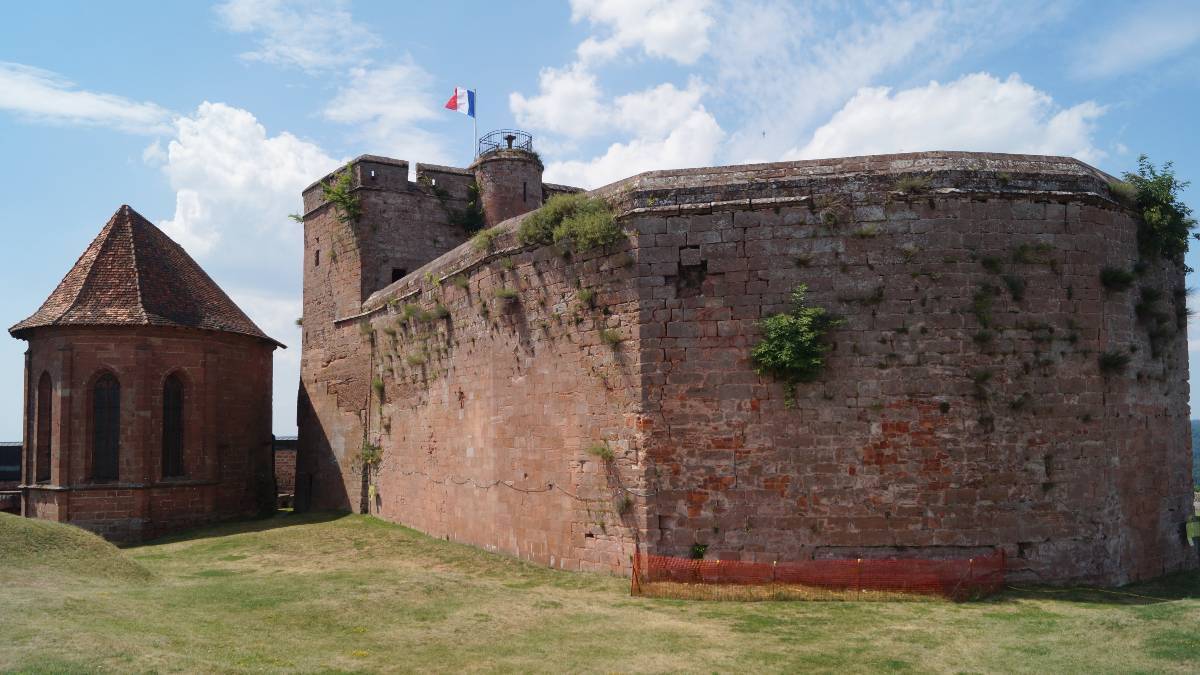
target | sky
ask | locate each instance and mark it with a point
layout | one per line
(209, 118)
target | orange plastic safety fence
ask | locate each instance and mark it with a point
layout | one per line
(859, 579)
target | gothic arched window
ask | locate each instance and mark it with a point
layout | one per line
(106, 428)
(45, 410)
(172, 438)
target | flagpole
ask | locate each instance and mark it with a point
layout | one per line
(475, 127)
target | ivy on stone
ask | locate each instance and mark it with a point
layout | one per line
(793, 345)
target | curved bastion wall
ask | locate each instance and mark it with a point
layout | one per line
(962, 408)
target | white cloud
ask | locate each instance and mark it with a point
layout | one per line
(976, 112)
(308, 34)
(664, 126)
(656, 111)
(782, 67)
(692, 141)
(42, 96)
(568, 103)
(672, 29)
(667, 127)
(229, 176)
(1146, 34)
(385, 104)
(234, 188)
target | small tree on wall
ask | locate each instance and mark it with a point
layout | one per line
(793, 345)
(339, 191)
(1165, 220)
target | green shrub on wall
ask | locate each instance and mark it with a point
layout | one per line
(575, 222)
(340, 192)
(793, 345)
(1165, 220)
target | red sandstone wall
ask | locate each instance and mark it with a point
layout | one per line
(285, 471)
(404, 225)
(227, 418)
(486, 440)
(894, 451)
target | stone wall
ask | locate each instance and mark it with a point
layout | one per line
(226, 423)
(962, 408)
(285, 470)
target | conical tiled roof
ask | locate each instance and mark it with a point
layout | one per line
(134, 275)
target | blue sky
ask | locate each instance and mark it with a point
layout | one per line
(209, 118)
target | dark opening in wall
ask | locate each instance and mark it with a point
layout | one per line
(690, 280)
(317, 258)
(398, 273)
(524, 192)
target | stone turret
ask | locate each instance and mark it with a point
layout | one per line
(509, 175)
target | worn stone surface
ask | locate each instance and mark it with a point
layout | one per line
(510, 183)
(962, 408)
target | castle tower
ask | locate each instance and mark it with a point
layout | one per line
(509, 175)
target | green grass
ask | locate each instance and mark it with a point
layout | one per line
(352, 593)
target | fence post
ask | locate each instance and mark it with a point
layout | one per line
(858, 576)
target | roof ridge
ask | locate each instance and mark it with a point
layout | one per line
(104, 240)
(125, 211)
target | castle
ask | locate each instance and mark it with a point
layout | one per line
(984, 388)
(1008, 368)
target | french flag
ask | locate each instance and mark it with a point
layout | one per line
(462, 101)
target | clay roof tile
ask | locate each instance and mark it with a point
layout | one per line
(133, 274)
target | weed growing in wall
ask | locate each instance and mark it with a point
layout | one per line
(981, 304)
(1116, 279)
(371, 455)
(574, 222)
(611, 337)
(339, 191)
(793, 345)
(1015, 286)
(484, 240)
(912, 184)
(1113, 361)
(471, 218)
(601, 451)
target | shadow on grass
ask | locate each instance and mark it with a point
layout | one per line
(263, 523)
(1169, 588)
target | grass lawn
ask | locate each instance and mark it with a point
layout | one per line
(352, 593)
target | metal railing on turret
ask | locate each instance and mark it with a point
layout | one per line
(505, 139)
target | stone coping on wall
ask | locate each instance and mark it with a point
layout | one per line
(119, 486)
(869, 179)
(377, 159)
